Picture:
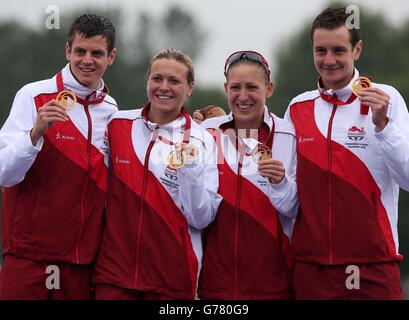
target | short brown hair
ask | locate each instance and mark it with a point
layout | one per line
(90, 25)
(332, 18)
(177, 55)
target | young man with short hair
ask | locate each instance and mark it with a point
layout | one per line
(353, 154)
(53, 173)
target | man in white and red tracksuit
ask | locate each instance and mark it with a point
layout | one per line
(53, 173)
(353, 153)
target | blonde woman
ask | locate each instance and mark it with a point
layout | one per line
(163, 190)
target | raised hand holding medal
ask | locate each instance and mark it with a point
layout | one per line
(176, 159)
(272, 169)
(47, 114)
(182, 154)
(373, 98)
(359, 84)
(262, 154)
(268, 167)
(67, 98)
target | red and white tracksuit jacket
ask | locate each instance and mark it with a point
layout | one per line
(154, 213)
(53, 193)
(246, 249)
(348, 177)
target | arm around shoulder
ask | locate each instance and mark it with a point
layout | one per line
(199, 182)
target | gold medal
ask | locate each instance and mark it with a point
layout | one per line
(359, 84)
(176, 160)
(67, 98)
(261, 152)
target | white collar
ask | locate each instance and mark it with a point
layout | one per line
(81, 91)
(343, 93)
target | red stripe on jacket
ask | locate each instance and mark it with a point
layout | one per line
(150, 243)
(355, 227)
(259, 255)
(55, 213)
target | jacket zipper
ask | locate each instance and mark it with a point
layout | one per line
(141, 210)
(236, 225)
(83, 197)
(329, 148)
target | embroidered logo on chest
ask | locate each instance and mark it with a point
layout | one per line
(172, 174)
(356, 134)
(356, 138)
(170, 178)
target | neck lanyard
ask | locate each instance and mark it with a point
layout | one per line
(174, 159)
(87, 101)
(334, 99)
(186, 130)
(262, 148)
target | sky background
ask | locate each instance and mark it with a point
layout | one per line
(261, 25)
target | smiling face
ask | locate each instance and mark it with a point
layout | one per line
(167, 89)
(334, 56)
(247, 91)
(89, 59)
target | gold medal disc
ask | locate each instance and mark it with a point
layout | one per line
(176, 160)
(359, 84)
(67, 98)
(260, 153)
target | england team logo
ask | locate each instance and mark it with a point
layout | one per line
(356, 134)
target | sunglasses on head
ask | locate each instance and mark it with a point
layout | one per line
(246, 55)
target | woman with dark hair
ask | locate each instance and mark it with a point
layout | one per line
(246, 252)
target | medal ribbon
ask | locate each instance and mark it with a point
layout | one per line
(186, 130)
(334, 100)
(60, 87)
(239, 144)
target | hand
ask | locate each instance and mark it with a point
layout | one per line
(272, 169)
(190, 150)
(198, 116)
(378, 101)
(46, 115)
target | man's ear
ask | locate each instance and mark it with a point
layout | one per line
(358, 50)
(270, 89)
(67, 51)
(112, 56)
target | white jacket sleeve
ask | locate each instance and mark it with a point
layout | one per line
(393, 141)
(17, 153)
(199, 183)
(283, 196)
